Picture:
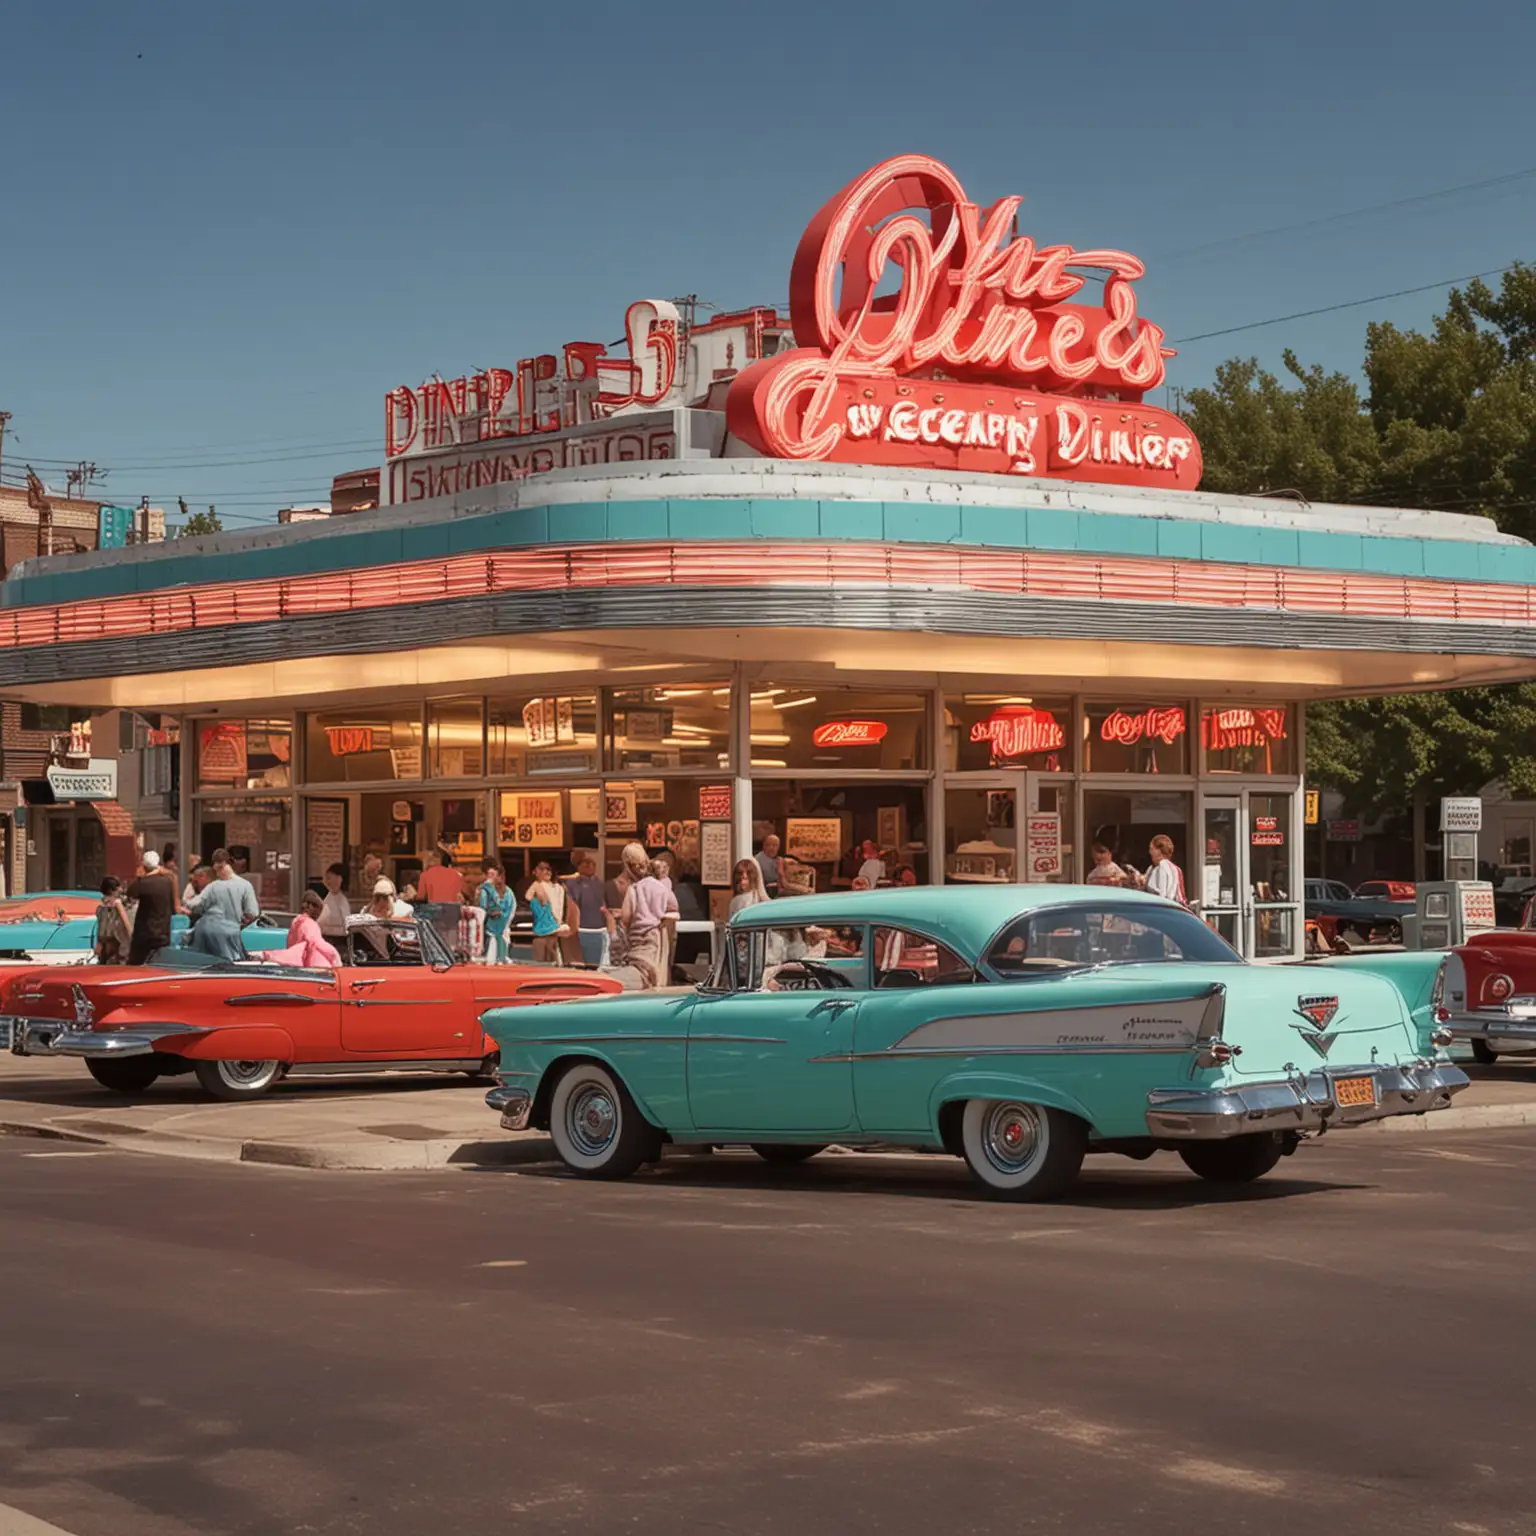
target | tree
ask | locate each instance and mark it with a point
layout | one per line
(1449, 422)
(198, 523)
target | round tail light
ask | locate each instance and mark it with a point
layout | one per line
(1496, 989)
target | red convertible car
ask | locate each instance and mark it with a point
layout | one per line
(398, 1001)
(1489, 991)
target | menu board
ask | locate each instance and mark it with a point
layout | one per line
(715, 802)
(325, 825)
(715, 853)
(1043, 844)
(814, 839)
(532, 820)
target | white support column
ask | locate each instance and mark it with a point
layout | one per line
(936, 788)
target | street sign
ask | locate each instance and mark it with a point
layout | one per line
(1461, 845)
(1314, 801)
(1344, 831)
(1461, 813)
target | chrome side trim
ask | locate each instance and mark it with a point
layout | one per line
(270, 999)
(399, 1002)
(364, 1068)
(1302, 1102)
(924, 1052)
(639, 1039)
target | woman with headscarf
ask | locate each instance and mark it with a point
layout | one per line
(649, 905)
(307, 945)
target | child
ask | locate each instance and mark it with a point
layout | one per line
(112, 925)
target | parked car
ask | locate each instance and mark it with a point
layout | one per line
(1490, 991)
(398, 1001)
(1016, 1027)
(1386, 890)
(1344, 915)
(63, 937)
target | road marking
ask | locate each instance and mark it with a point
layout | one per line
(13, 1522)
(502, 1264)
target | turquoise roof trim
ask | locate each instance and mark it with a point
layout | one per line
(709, 518)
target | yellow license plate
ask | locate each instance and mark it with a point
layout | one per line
(1349, 1092)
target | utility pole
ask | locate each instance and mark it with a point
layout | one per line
(144, 519)
(5, 421)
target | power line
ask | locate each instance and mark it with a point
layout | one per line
(1329, 309)
(1351, 213)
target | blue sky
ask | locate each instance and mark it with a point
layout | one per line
(226, 231)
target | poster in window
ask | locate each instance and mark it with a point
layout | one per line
(619, 810)
(586, 806)
(715, 853)
(891, 827)
(325, 824)
(814, 839)
(644, 725)
(533, 820)
(650, 792)
(221, 752)
(715, 802)
(406, 761)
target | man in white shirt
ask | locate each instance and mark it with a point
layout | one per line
(873, 867)
(1165, 878)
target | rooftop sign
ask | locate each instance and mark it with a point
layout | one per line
(975, 361)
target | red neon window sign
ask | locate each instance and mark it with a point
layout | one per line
(1020, 732)
(849, 733)
(1157, 724)
(344, 740)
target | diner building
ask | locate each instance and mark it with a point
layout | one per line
(747, 582)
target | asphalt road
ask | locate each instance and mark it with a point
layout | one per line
(856, 1345)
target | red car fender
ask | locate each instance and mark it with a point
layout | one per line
(235, 1042)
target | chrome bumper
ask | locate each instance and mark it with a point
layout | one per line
(1302, 1103)
(53, 1037)
(1493, 1024)
(515, 1105)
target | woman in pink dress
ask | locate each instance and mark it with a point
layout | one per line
(307, 946)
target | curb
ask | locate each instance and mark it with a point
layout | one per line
(382, 1156)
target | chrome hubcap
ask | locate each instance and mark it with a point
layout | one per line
(1013, 1137)
(592, 1118)
(246, 1074)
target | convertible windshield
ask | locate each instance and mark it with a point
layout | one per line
(1068, 938)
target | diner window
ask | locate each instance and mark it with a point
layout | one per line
(1249, 739)
(838, 728)
(244, 754)
(258, 832)
(1136, 738)
(547, 733)
(456, 738)
(362, 745)
(904, 959)
(1004, 730)
(681, 725)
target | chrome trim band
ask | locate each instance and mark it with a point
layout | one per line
(910, 1052)
(1301, 1103)
(1491, 1024)
(642, 1039)
(515, 1105)
(55, 1037)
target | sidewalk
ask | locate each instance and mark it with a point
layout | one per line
(405, 1121)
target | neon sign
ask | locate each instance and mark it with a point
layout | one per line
(849, 733)
(1020, 732)
(1225, 728)
(1156, 724)
(975, 362)
(344, 740)
(543, 394)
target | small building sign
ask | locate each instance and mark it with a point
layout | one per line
(1461, 813)
(97, 782)
(1347, 831)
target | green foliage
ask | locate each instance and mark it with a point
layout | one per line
(1449, 422)
(198, 523)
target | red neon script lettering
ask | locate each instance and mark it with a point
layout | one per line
(849, 733)
(1165, 725)
(971, 304)
(1020, 733)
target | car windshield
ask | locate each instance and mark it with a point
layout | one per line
(177, 957)
(1071, 938)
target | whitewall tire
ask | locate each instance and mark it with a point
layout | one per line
(1021, 1151)
(239, 1079)
(596, 1128)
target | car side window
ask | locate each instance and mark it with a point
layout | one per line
(804, 959)
(1070, 938)
(905, 959)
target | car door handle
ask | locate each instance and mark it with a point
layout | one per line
(371, 981)
(834, 1005)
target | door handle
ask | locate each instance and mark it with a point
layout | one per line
(368, 981)
(834, 1005)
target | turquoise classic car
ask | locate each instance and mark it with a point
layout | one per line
(1017, 1027)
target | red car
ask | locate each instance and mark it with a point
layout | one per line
(398, 1001)
(1489, 992)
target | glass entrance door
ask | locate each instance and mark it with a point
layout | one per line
(1247, 891)
(982, 815)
